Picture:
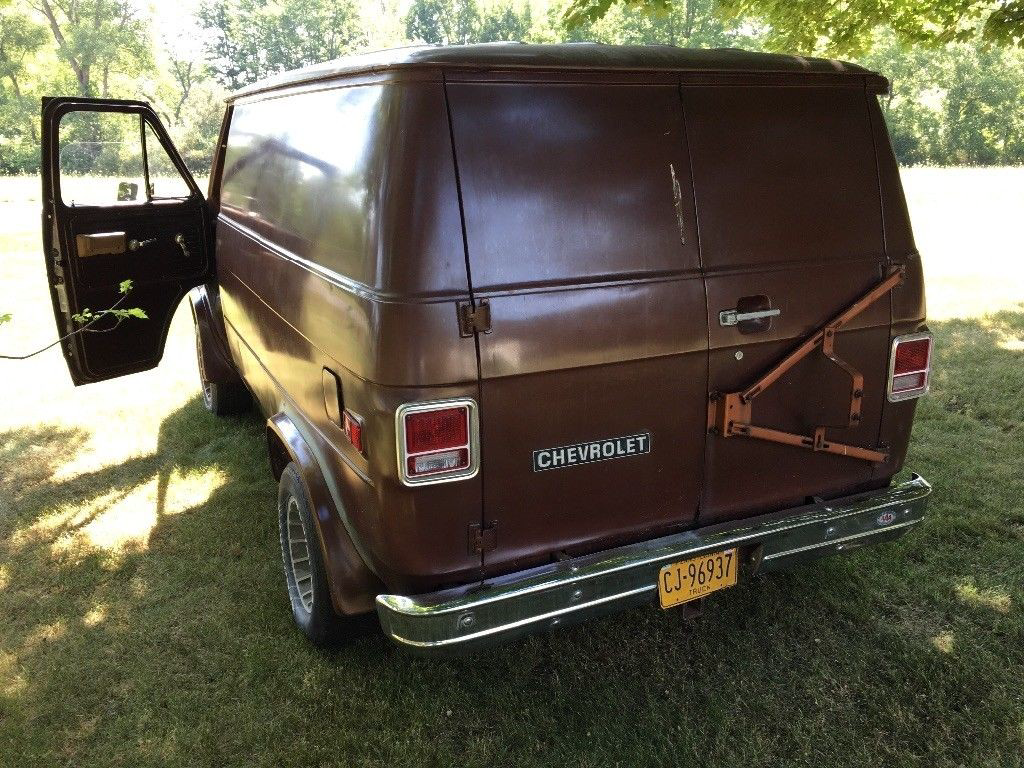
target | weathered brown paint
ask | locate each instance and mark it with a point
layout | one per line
(594, 284)
(606, 203)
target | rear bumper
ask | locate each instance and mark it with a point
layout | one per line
(571, 591)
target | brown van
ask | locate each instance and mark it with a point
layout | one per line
(539, 332)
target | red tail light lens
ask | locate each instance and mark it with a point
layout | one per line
(436, 430)
(911, 356)
(910, 366)
(437, 441)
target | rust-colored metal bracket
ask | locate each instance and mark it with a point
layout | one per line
(730, 415)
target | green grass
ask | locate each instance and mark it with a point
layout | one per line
(143, 619)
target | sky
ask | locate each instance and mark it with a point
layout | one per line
(174, 22)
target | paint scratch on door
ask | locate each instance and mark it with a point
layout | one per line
(677, 197)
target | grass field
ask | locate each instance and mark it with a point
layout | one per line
(144, 622)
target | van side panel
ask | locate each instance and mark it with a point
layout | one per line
(582, 238)
(339, 231)
(908, 299)
(790, 219)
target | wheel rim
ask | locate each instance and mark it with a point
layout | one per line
(207, 386)
(208, 394)
(298, 555)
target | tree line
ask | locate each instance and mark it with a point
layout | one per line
(955, 100)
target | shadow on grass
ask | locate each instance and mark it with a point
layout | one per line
(180, 650)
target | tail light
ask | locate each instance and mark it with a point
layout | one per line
(437, 441)
(910, 366)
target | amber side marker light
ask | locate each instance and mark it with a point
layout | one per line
(437, 441)
(910, 366)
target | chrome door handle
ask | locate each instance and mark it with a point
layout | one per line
(134, 245)
(180, 240)
(728, 317)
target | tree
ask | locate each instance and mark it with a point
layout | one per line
(189, 101)
(444, 22)
(195, 133)
(982, 112)
(846, 28)
(504, 22)
(912, 107)
(186, 74)
(20, 39)
(955, 105)
(251, 39)
(97, 39)
(692, 23)
(94, 42)
(453, 22)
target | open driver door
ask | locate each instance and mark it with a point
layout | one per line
(118, 204)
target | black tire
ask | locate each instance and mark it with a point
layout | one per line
(304, 571)
(221, 398)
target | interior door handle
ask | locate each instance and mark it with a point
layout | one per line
(729, 317)
(183, 244)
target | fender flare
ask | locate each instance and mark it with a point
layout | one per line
(215, 363)
(352, 585)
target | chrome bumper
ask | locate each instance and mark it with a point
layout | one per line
(573, 590)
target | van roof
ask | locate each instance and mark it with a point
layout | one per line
(570, 56)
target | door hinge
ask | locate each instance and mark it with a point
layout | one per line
(483, 539)
(62, 298)
(473, 319)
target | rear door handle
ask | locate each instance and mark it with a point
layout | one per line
(729, 317)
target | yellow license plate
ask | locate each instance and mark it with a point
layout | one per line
(699, 576)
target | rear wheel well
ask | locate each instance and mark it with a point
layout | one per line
(279, 456)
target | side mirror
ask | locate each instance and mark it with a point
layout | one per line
(126, 191)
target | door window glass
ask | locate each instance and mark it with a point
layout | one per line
(164, 179)
(100, 158)
(105, 159)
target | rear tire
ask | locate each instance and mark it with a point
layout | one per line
(221, 398)
(304, 572)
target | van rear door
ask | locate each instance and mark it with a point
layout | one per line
(119, 205)
(582, 241)
(787, 202)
